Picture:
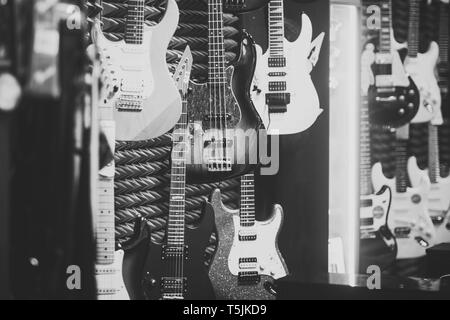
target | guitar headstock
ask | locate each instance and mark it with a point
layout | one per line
(402, 133)
(182, 73)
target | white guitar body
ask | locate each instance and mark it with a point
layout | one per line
(378, 211)
(110, 285)
(304, 108)
(422, 71)
(399, 76)
(147, 104)
(264, 249)
(408, 213)
(438, 200)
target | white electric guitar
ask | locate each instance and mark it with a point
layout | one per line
(109, 261)
(422, 68)
(148, 104)
(374, 206)
(408, 217)
(283, 92)
(439, 187)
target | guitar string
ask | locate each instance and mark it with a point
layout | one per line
(223, 121)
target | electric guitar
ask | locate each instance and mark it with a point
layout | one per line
(109, 261)
(374, 207)
(175, 269)
(439, 191)
(223, 121)
(422, 68)
(283, 91)
(147, 103)
(247, 259)
(408, 217)
(393, 96)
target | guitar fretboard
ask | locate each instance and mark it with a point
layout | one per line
(414, 25)
(276, 28)
(401, 172)
(105, 233)
(365, 154)
(176, 223)
(443, 49)
(433, 153)
(216, 44)
(386, 26)
(247, 210)
(135, 22)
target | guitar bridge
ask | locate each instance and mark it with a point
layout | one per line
(248, 278)
(173, 288)
(402, 232)
(278, 102)
(130, 103)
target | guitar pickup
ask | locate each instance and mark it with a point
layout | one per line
(173, 288)
(172, 252)
(247, 235)
(366, 222)
(248, 263)
(277, 86)
(248, 278)
(278, 62)
(277, 74)
(382, 69)
(219, 165)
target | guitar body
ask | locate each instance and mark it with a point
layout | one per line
(374, 212)
(304, 107)
(147, 104)
(242, 124)
(225, 266)
(397, 102)
(422, 70)
(110, 284)
(198, 285)
(438, 200)
(408, 217)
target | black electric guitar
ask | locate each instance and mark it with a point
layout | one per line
(394, 98)
(243, 5)
(224, 121)
(176, 269)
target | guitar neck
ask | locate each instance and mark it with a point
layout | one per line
(134, 27)
(414, 25)
(443, 48)
(433, 153)
(365, 154)
(276, 28)
(386, 26)
(247, 211)
(176, 222)
(401, 172)
(216, 44)
(105, 233)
